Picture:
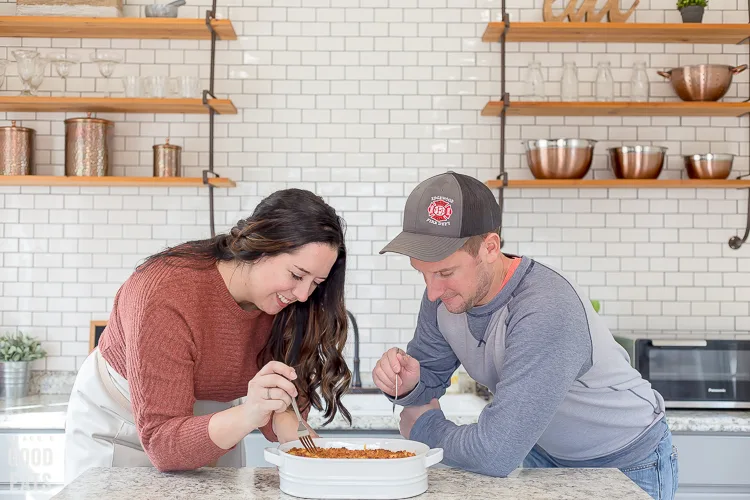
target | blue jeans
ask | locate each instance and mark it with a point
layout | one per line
(657, 474)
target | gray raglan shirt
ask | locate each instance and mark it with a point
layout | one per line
(558, 377)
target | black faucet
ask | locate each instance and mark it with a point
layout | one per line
(356, 381)
(356, 385)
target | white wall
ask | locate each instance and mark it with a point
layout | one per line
(359, 100)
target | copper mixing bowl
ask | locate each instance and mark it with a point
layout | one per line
(702, 82)
(708, 166)
(637, 162)
(559, 158)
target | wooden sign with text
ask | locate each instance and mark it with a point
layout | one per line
(587, 12)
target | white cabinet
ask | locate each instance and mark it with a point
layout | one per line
(713, 466)
(31, 464)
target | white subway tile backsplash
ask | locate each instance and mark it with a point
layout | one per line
(359, 100)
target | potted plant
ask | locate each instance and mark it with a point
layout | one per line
(16, 354)
(692, 10)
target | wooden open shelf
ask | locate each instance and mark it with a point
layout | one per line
(59, 180)
(114, 27)
(619, 32)
(591, 108)
(621, 183)
(44, 104)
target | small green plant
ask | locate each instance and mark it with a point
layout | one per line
(687, 3)
(596, 305)
(20, 347)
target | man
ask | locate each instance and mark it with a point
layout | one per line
(565, 394)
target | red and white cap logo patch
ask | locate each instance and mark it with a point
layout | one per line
(440, 210)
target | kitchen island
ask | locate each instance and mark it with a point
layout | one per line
(137, 483)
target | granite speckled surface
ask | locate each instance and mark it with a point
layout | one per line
(42, 412)
(369, 412)
(263, 484)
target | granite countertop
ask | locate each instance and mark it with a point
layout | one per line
(369, 412)
(263, 484)
(45, 412)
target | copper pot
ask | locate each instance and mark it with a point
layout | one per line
(708, 166)
(16, 150)
(637, 162)
(167, 160)
(88, 146)
(702, 82)
(559, 158)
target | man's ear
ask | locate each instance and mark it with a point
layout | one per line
(492, 247)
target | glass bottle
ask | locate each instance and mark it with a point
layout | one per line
(569, 82)
(604, 85)
(639, 83)
(535, 82)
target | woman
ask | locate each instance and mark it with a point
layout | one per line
(258, 312)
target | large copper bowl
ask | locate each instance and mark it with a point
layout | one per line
(637, 162)
(559, 158)
(708, 166)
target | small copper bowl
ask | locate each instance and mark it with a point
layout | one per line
(637, 162)
(708, 166)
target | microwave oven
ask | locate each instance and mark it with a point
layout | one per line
(693, 372)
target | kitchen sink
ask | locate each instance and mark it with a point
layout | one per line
(363, 390)
(377, 404)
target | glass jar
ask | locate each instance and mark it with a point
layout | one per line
(639, 86)
(535, 82)
(569, 82)
(604, 85)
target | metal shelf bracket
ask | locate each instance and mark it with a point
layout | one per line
(210, 16)
(735, 242)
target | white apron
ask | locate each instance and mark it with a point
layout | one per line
(99, 426)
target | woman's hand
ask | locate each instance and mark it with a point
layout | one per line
(270, 391)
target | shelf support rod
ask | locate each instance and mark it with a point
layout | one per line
(210, 16)
(503, 175)
(735, 242)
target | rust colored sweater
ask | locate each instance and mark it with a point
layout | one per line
(177, 336)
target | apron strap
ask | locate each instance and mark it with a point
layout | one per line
(101, 365)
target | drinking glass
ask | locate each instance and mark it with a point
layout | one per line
(569, 82)
(3, 66)
(26, 60)
(604, 86)
(535, 82)
(639, 83)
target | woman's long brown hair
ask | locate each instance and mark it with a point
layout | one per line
(310, 335)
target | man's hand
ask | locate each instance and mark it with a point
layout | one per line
(396, 363)
(285, 427)
(411, 414)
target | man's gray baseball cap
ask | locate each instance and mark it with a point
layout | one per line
(441, 214)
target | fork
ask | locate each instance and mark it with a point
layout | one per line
(302, 432)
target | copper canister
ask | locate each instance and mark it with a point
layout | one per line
(167, 160)
(88, 146)
(16, 150)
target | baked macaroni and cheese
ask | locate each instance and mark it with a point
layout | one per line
(347, 453)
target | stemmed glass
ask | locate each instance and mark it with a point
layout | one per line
(62, 63)
(3, 65)
(26, 60)
(40, 65)
(107, 60)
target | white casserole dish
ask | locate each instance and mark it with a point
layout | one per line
(388, 478)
